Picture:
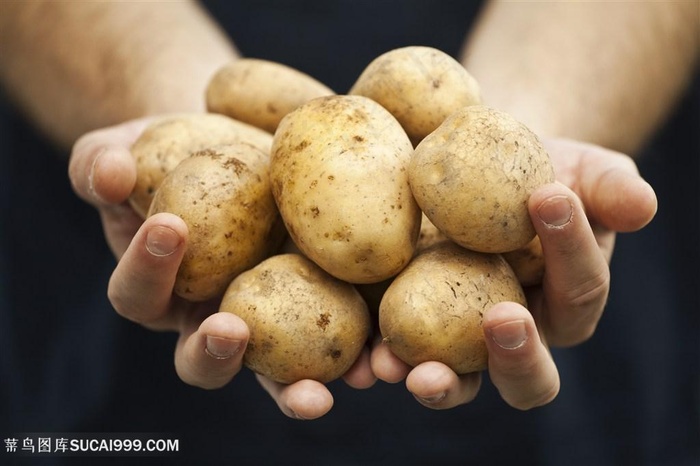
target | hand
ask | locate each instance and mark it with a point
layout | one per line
(599, 192)
(211, 345)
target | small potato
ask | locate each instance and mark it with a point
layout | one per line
(260, 92)
(433, 310)
(304, 323)
(223, 195)
(338, 173)
(429, 234)
(167, 141)
(527, 262)
(420, 86)
(473, 176)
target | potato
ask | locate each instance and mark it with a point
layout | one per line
(473, 176)
(304, 323)
(167, 141)
(420, 86)
(429, 234)
(527, 262)
(433, 310)
(338, 173)
(373, 292)
(260, 92)
(223, 194)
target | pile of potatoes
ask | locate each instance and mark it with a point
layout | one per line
(312, 214)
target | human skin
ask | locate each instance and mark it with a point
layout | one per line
(605, 73)
(73, 67)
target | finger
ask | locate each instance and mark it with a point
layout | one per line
(609, 184)
(120, 224)
(306, 399)
(618, 199)
(520, 365)
(437, 386)
(385, 365)
(122, 134)
(103, 174)
(101, 168)
(576, 281)
(211, 354)
(360, 375)
(141, 285)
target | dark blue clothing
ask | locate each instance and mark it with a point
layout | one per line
(68, 363)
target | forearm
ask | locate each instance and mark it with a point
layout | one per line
(77, 66)
(602, 72)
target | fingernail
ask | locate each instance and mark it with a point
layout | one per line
(221, 348)
(91, 176)
(556, 212)
(430, 400)
(162, 241)
(510, 335)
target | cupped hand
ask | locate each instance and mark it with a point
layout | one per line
(210, 348)
(598, 193)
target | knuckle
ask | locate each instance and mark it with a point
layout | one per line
(592, 290)
(583, 307)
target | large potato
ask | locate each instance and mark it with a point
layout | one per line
(260, 92)
(223, 195)
(420, 86)
(167, 141)
(473, 177)
(304, 323)
(338, 173)
(433, 310)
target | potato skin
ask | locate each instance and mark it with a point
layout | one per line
(169, 140)
(260, 92)
(473, 177)
(338, 172)
(429, 234)
(420, 86)
(527, 262)
(223, 194)
(373, 292)
(304, 323)
(434, 309)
